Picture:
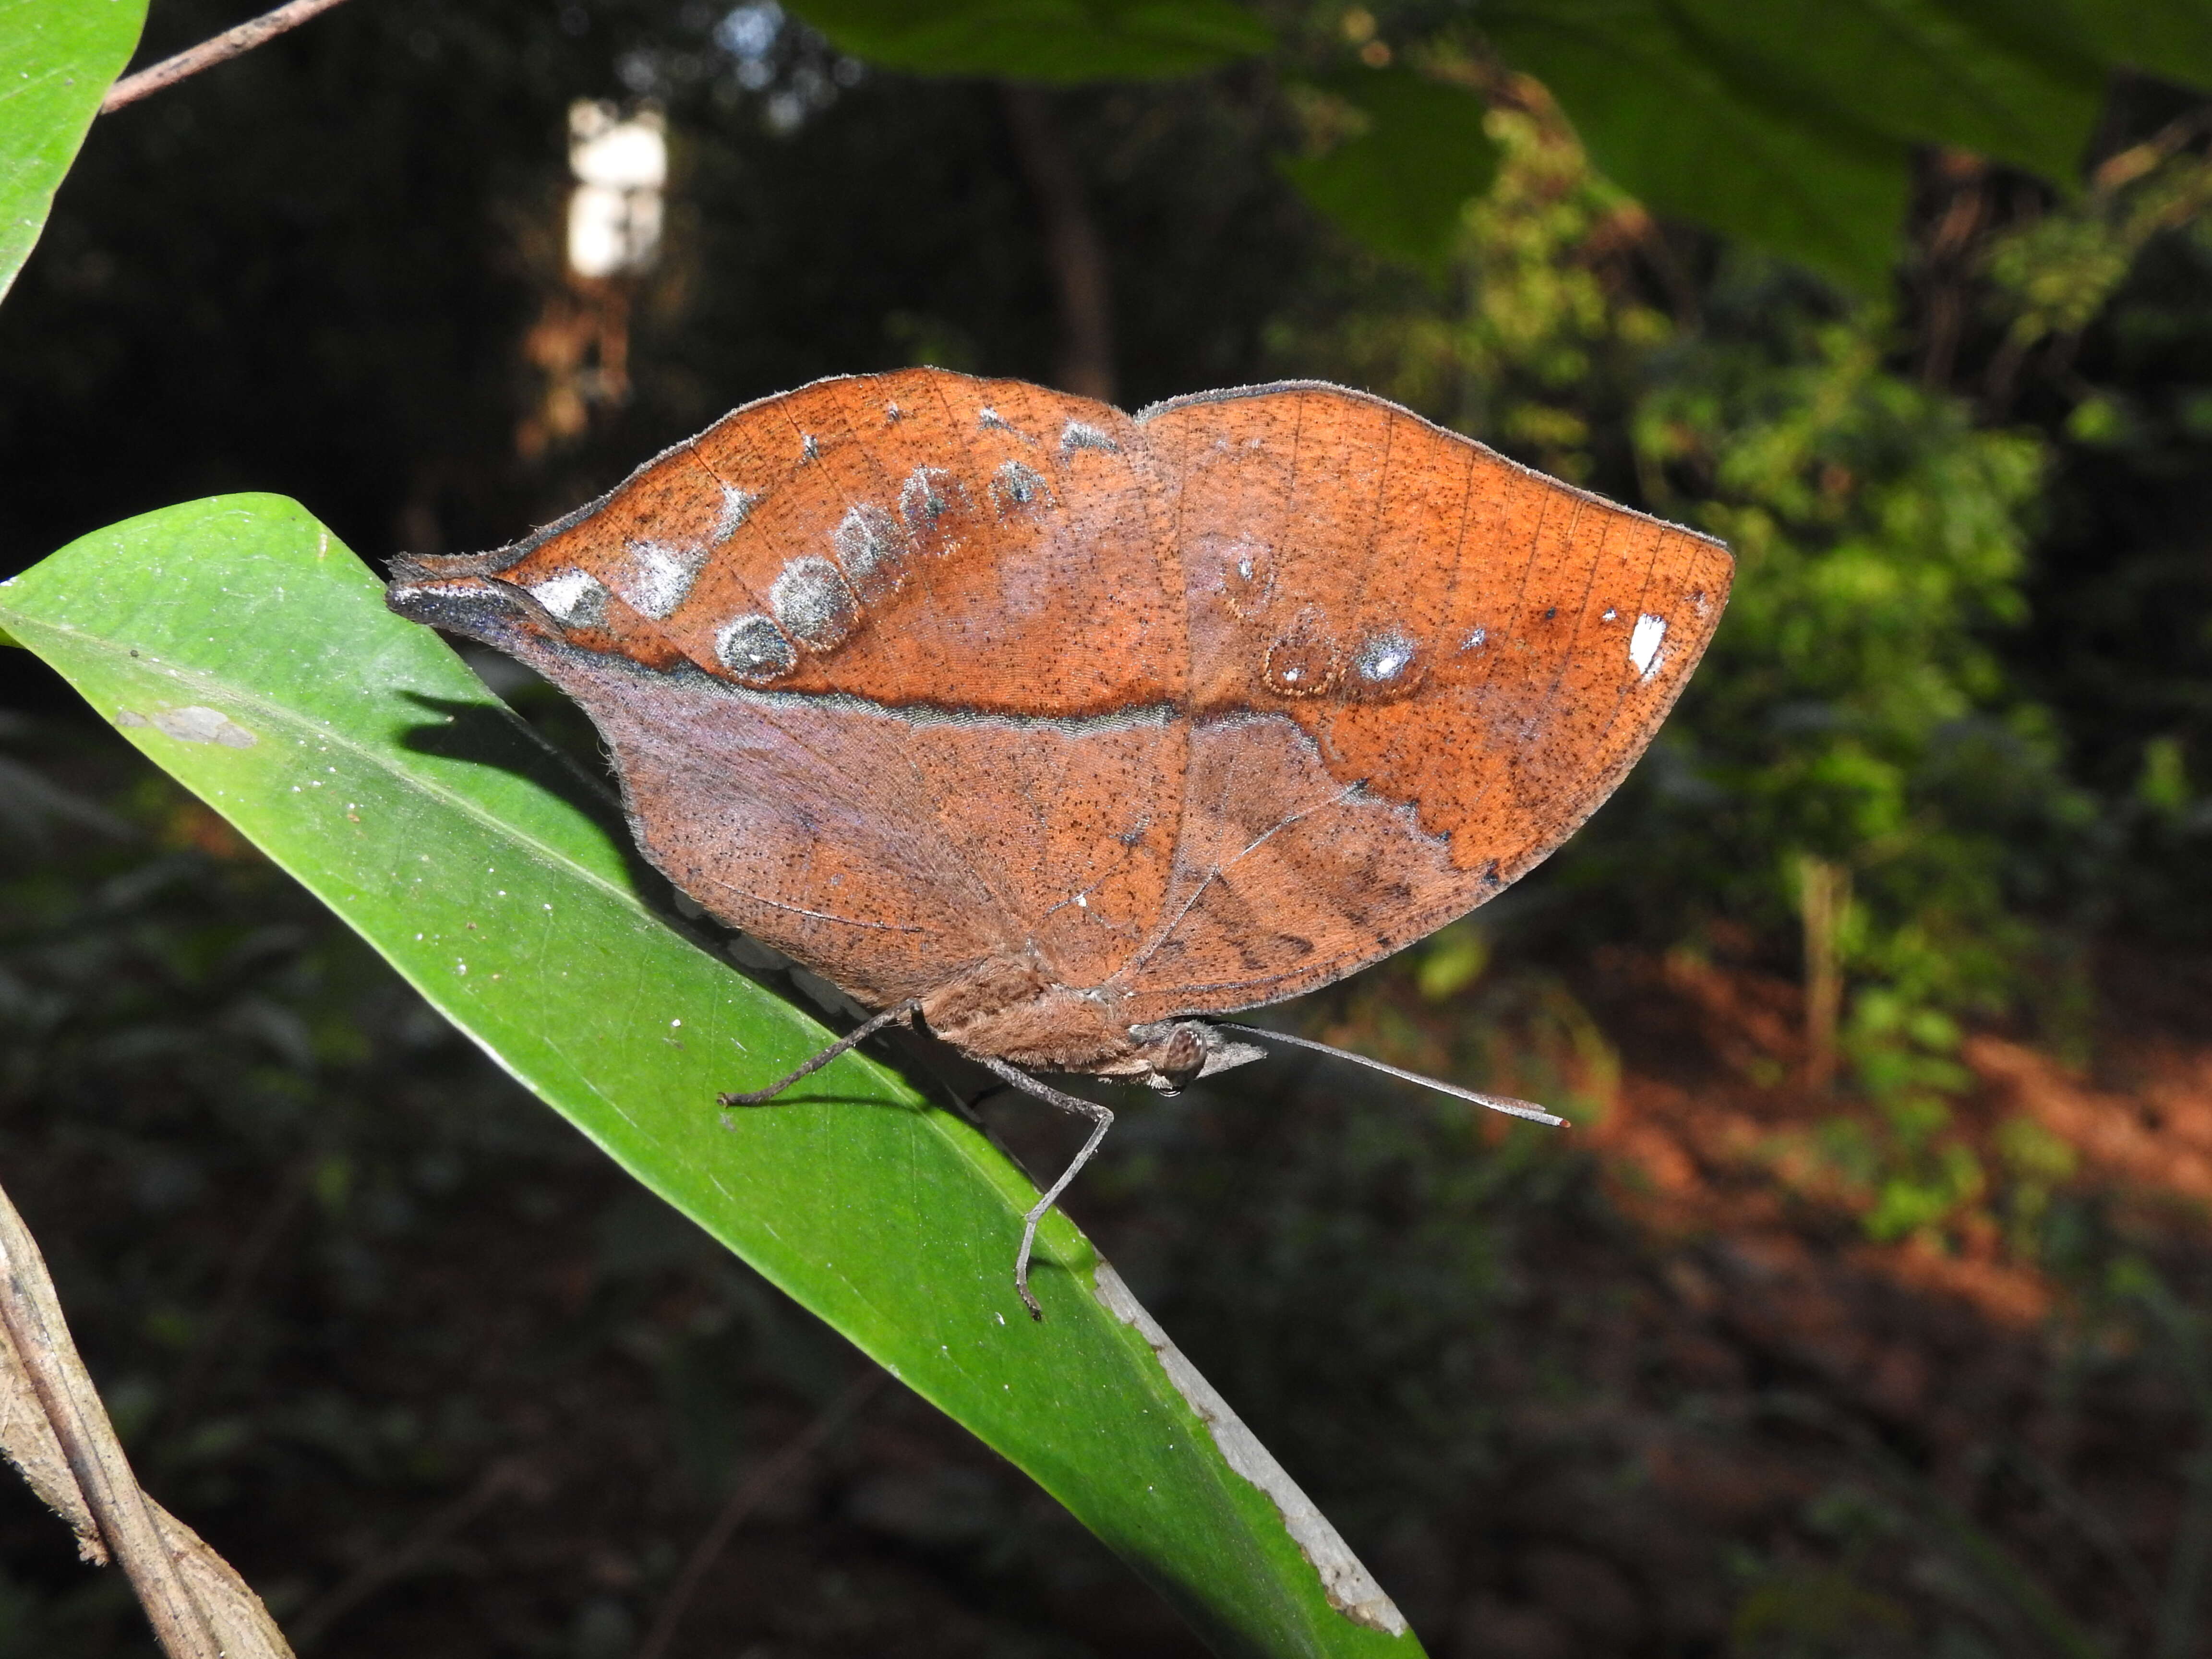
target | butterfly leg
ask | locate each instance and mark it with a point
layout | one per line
(858, 1034)
(1102, 1120)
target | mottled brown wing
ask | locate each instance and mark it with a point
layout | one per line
(891, 667)
(1415, 668)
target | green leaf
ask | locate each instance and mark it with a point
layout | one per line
(1065, 40)
(1398, 186)
(58, 59)
(1664, 122)
(2170, 39)
(244, 650)
(1921, 70)
(1790, 124)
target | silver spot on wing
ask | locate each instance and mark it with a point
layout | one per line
(1081, 435)
(655, 578)
(873, 548)
(1015, 487)
(575, 598)
(754, 649)
(812, 603)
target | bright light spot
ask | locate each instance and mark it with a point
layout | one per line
(750, 31)
(614, 213)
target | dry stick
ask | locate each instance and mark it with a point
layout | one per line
(31, 1315)
(743, 1501)
(230, 43)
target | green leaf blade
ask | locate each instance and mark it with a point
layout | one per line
(1917, 70)
(244, 650)
(1663, 122)
(1400, 187)
(58, 59)
(1058, 41)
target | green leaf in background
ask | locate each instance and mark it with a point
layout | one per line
(2169, 38)
(58, 59)
(247, 652)
(1065, 40)
(1791, 124)
(1915, 70)
(1400, 185)
(1662, 121)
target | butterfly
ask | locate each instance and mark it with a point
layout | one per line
(1060, 730)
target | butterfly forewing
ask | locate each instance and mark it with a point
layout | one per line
(906, 673)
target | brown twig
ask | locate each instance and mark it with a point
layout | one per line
(743, 1500)
(1072, 248)
(230, 43)
(31, 1314)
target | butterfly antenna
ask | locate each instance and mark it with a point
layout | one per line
(1504, 1103)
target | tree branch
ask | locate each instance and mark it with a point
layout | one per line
(1072, 248)
(230, 43)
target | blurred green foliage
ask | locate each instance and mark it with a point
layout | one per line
(1042, 39)
(1790, 125)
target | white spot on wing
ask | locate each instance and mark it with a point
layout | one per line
(754, 649)
(574, 598)
(812, 602)
(1383, 658)
(655, 578)
(738, 505)
(1644, 643)
(1014, 487)
(1081, 435)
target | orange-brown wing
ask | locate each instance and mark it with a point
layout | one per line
(1415, 668)
(891, 666)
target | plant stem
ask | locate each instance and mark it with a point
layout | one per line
(230, 43)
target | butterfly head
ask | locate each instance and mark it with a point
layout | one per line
(1176, 1052)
